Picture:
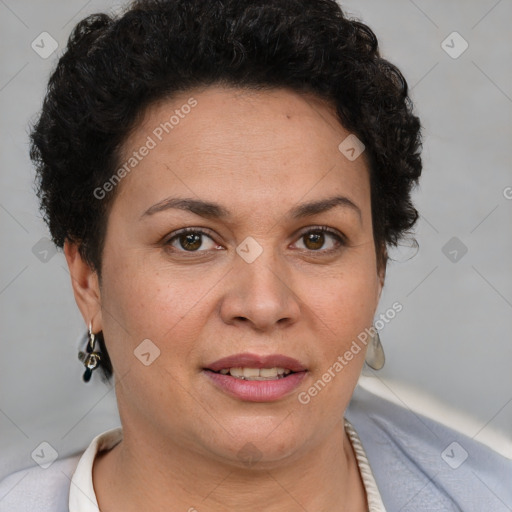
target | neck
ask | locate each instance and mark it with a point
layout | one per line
(137, 475)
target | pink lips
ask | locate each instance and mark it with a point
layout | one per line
(256, 391)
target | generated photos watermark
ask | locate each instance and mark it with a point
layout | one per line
(342, 361)
(157, 135)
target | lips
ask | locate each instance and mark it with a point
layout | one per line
(247, 360)
(288, 373)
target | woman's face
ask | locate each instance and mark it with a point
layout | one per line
(254, 276)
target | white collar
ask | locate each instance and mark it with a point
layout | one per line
(82, 497)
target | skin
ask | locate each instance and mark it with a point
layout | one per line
(258, 154)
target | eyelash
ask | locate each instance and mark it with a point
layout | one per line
(340, 239)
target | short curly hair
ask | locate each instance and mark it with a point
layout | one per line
(114, 67)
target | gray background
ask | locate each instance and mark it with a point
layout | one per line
(449, 351)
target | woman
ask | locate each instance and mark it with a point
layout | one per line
(224, 179)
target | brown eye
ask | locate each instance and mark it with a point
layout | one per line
(316, 239)
(191, 240)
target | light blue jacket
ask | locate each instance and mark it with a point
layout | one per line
(420, 465)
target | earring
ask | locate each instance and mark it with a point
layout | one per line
(91, 359)
(375, 358)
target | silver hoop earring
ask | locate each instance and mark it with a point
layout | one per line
(375, 358)
(91, 358)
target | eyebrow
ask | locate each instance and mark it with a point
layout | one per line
(213, 210)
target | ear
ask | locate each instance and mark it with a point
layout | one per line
(85, 285)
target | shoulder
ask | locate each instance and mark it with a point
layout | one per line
(420, 464)
(53, 488)
(35, 488)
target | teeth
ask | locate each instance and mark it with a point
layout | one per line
(256, 373)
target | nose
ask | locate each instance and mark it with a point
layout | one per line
(260, 294)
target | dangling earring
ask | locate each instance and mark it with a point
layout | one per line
(91, 359)
(375, 358)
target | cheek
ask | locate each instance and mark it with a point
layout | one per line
(141, 302)
(348, 297)
(343, 307)
(342, 310)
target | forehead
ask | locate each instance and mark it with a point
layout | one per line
(240, 144)
(226, 119)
